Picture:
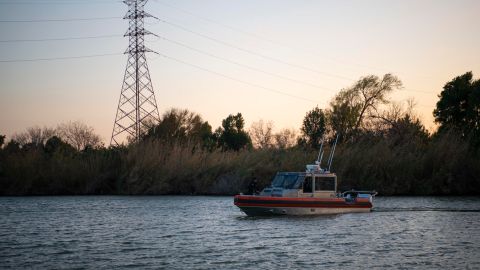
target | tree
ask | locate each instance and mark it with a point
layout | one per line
(182, 126)
(285, 138)
(385, 119)
(407, 130)
(78, 135)
(34, 136)
(352, 106)
(314, 127)
(261, 134)
(2, 140)
(55, 144)
(344, 112)
(231, 134)
(12, 147)
(373, 91)
(459, 106)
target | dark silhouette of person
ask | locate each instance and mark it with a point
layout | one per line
(252, 187)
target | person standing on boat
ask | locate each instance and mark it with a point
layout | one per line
(253, 187)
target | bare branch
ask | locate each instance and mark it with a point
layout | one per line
(261, 134)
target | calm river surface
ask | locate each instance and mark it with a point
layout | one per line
(181, 232)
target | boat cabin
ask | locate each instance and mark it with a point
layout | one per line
(318, 184)
(314, 182)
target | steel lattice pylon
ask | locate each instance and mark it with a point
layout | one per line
(137, 108)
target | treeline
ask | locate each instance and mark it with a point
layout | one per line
(382, 146)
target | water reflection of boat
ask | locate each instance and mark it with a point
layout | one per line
(313, 192)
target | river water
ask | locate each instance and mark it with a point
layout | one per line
(181, 232)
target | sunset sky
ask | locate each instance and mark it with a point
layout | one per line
(300, 54)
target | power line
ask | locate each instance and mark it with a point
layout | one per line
(58, 39)
(243, 65)
(60, 20)
(58, 58)
(53, 2)
(235, 79)
(264, 56)
(178, 43)
(219, 23)
(193, 32)
(259, 37)
(252, 52)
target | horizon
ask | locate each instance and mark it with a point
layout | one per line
(314, 49)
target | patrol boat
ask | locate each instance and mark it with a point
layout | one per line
(313, 192)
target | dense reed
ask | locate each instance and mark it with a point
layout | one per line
(443, 165)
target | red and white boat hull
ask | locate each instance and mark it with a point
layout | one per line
(266, 205)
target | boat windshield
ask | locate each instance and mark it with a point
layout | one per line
(285, 180)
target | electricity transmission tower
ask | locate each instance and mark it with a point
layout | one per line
(137, 108)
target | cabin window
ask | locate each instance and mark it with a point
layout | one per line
(278, 181)
(290, 181)
(325, 183)
(287, 181)
(307, 184)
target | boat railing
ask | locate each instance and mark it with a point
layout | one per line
(357, 192)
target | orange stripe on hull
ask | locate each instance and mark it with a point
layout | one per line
(305, 205)
(265, 198)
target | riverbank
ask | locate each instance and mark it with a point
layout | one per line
(444, 165)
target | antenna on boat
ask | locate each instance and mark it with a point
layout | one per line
(330, 159)
(312, 168)
(320, 155)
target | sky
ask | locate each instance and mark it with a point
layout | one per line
(268, 59)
